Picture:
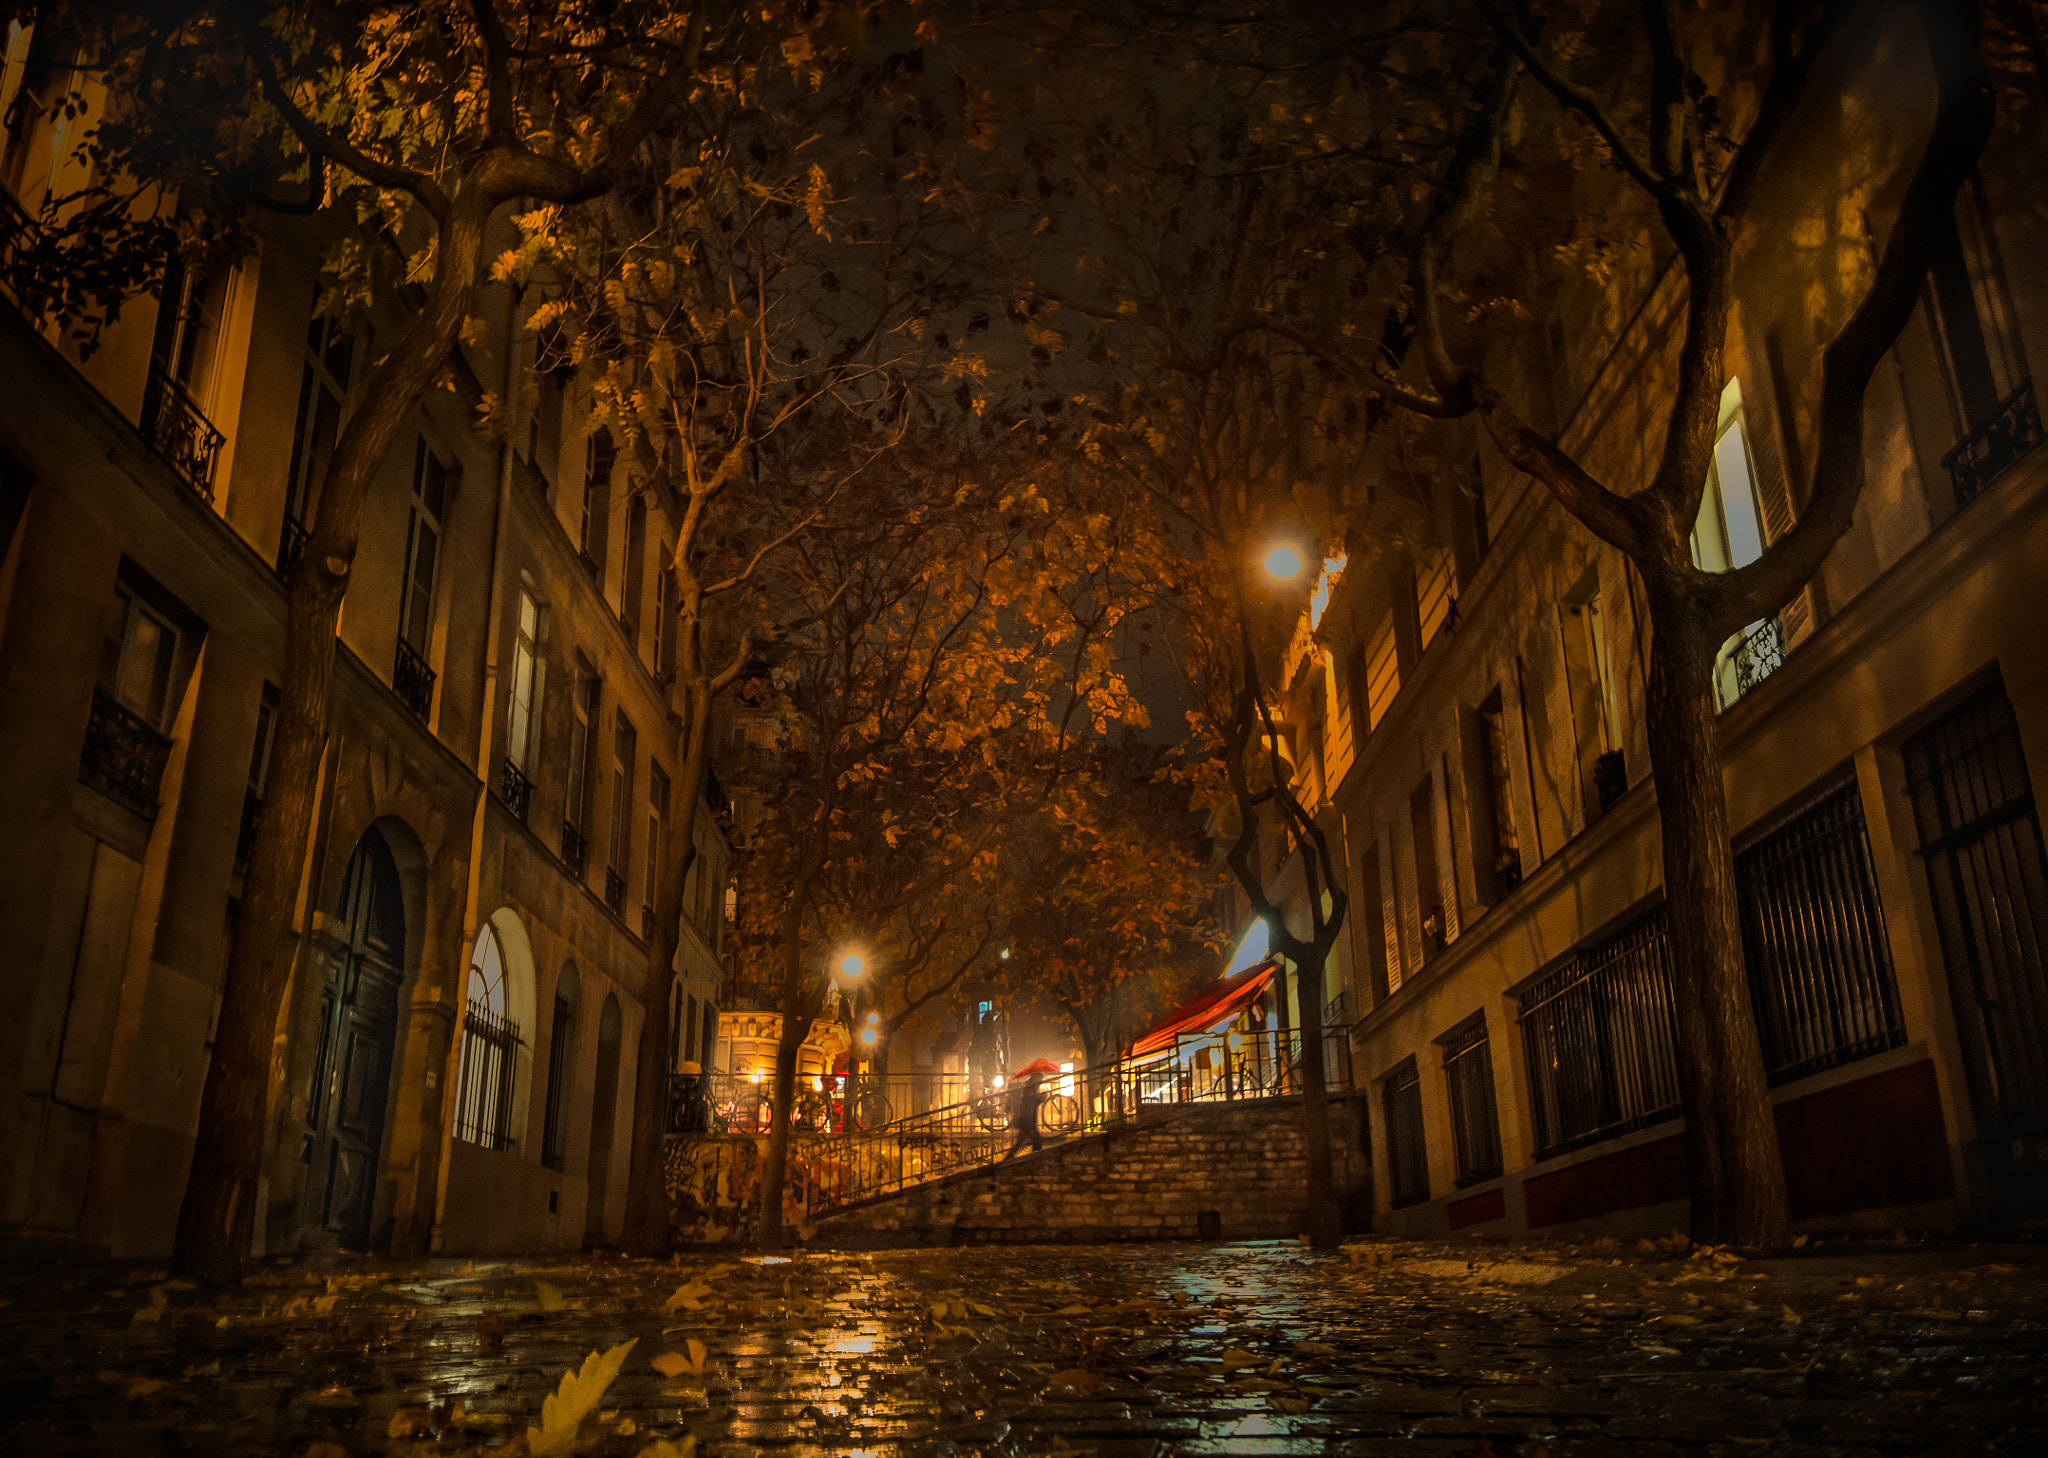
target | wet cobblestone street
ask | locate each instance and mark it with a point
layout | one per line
(1385, 1346)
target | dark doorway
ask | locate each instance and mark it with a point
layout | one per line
(603, 1107)
(358, 1031)
(1980, 834)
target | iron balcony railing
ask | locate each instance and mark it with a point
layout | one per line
(646, 922)
(514, 788)
(483, 1085)
(413, 680)
(574, 847)
(864, 1154)
(180, 431)
(2009, 432)
(1760, 654)
(291, 545)
(614, 891)
(123, 755)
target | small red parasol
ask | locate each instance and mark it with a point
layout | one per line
(1039, 1065)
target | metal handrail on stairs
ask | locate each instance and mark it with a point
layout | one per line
(862, 1164)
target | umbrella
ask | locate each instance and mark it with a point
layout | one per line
(1040, 1065)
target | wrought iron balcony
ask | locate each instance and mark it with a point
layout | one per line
(291, 545)
(245, 839)
(573, 848)
(646, 923)
(515, 789)
(413, 680)
(124, 754)
(2011, 430)
(614, 891)
(179, 430)
(1762, 654)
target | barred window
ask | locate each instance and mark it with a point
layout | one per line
(1600, 1038)
(1475, 1123)
(490, 1047)
(1407, 1159)
(1820, 970)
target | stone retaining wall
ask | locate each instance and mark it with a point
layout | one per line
(1227, 1170)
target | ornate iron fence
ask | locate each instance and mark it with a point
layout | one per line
(2010, 431)
(123, 755)
(483, 1085)
(180, 431)
(1760, 654)
(871, 1149)
(413, 680)
(574, 847)
(291, 545)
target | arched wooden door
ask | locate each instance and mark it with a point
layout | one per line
(358, 1032)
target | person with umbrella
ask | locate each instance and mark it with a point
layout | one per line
(1027, 1094)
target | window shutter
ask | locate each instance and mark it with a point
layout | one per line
(1768, 454)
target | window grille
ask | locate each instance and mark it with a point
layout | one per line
(1600, 1037)
(1407, 1159)
(483, 1086)
(1475, 1124)
(554, 1144)
(1820, 971)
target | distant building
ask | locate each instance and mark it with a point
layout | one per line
(1467, 720)
(455, 1060)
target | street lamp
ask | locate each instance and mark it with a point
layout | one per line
(852, 965)
(1283, 562)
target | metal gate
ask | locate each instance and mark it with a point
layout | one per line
(1980, 835)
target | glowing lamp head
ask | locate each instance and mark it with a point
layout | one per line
(852, 965)
(867, 1037)
(999, 1080)
(755, 1076)
(1283, 562)
(874, 1017)
(1004, 955)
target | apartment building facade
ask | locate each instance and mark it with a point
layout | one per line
(455, 1061)
(1467, 714)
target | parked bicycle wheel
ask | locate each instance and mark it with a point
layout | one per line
(1060, 1114)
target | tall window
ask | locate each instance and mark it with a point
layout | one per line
(1407, 1157)
(422, 547)
(554, 1140)
(1382, 672)
(623, 742)
(524, 699)
(137, 664)
(634, 578)
(259, 773)
(323, 387)
(657, 817)
(597, 500)
(1589, 678)
(1966, 353)
(490, 1046)
(1436, 592)
(1496, 852)
(1728, 532)
(1429, 888)
(1475, 1123)
(577, 792)
(664, 615)
(1369, 930)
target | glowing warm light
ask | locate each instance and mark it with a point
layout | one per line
(999, 1080)
(1004, 955)
(852, 965)
(874, 1017)
(755, 1076)
(818, 1084)
(867, 1036)
(1283, 562)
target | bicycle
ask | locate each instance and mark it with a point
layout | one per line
(1060, 1114)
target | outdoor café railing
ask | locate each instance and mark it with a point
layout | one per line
(849, 1162)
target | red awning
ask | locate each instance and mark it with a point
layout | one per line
(1218, 1003)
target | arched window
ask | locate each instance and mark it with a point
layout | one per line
(490, 1048)
(554, 1139)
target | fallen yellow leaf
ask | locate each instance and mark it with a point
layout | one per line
(563, 1413)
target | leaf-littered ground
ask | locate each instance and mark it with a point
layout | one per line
(1487, 1350)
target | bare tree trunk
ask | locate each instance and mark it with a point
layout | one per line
(217, 1218)
(646, 1227)
(797, 1012)
(1325, 1226)
(1738, 1182)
